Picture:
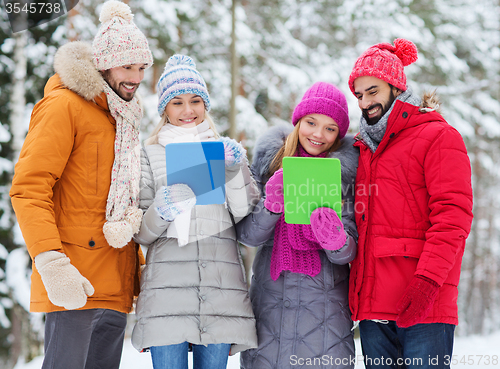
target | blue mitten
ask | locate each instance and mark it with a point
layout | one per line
(234, 153)
(173, 200)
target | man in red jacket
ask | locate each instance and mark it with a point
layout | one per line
(413, 212)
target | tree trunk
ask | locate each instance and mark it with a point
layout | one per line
(18, 99)
(234, 75)
(26, 343)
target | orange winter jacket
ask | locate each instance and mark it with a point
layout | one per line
(61, 185)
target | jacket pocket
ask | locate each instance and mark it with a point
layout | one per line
(395, 261)
(408, 195)
(91, 254)
(100, 266)
(406, 247)
(89, 238)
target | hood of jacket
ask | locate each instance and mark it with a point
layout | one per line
(405, 115)
(75, 71)
(430, 102)
(269, 143)
(428, 111)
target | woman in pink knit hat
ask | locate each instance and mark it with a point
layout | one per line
(300, 273)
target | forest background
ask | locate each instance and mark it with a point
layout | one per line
(258, 57)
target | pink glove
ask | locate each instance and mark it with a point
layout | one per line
(417, 301)
(328, 228)
(275, 202)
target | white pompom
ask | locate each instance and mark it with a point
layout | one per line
(118, 234)
(179, 59)
(114, 8)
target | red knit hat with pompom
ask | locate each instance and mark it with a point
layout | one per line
(385, 62)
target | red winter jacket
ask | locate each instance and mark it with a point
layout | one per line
(413, 212)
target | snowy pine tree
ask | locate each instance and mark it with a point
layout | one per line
(283, 46)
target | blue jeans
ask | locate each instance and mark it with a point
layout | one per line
(420, 346)
(204, 357)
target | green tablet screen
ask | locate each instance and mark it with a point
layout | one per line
(310, 183)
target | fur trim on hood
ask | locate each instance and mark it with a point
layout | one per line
(269, 143)
(73, 63)
(267, 146)
(430, 102)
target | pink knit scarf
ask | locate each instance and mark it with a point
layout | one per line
(295, 247)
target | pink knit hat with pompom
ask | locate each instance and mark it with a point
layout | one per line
(324, 98)
(385, 62)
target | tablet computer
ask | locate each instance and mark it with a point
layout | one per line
(201, 166)
(310, 183)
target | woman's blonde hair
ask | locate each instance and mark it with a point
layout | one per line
(153, 138)
(289, 148)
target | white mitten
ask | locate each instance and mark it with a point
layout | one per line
(234, 152)
(173, 200)
(65, 285)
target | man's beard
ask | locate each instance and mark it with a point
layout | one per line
(384, 109)
(115, 86)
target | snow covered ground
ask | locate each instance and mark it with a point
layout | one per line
(469, 352)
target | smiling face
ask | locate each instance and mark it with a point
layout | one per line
(125, 80)
(317, 133)
(187, 110)
(375, 97)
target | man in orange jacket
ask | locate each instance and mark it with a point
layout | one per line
(413, 213)
(75, 193)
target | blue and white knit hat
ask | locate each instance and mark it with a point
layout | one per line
(180, 77)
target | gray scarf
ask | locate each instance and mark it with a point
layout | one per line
(372, 135)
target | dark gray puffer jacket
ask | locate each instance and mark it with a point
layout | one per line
(299, 317)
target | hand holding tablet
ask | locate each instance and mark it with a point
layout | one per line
(310, 183)
(201, 166)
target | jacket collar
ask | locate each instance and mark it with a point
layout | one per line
(404, 115)
(55, 83)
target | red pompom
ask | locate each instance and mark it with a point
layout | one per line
(406, 51)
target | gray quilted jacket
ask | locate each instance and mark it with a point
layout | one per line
(299, 317)
(195, 293)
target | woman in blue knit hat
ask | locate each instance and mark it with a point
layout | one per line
(193, 288)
